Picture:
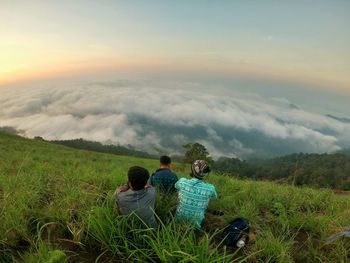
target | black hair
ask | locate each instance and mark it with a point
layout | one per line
(138, 177)
(165, 160)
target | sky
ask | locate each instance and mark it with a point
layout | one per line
(300, 41)
(245, 78)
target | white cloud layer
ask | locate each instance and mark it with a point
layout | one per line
(156, 118)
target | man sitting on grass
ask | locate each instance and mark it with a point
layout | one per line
(136, 196)
(164, 179)
(194, 194)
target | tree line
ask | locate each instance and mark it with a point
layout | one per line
(104, 148)
(315, 170)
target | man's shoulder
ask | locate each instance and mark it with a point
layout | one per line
(164, 172)
(208, 186)
(181, 182)
(123, 195)
(184, 180)
(149, 193)
(151, 190)
(130, 194)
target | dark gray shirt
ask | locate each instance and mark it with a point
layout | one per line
(141, 202)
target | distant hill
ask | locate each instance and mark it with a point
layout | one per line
(8, 130)
(344, 151)
(99, 147)
(89, 145)
(316, 170)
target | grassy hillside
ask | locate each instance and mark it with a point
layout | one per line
(56, 205)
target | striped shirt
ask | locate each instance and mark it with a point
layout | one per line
(194, 196)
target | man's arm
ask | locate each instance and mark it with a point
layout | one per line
(122, 188)
(150, 181)
(214, 194)
(118, 206)
(178, 184)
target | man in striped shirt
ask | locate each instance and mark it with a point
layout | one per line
(194, 194)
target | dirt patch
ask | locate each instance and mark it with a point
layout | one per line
(213, 221)
(301, 240)
(90, 256)
(46, 198)
(78, 254)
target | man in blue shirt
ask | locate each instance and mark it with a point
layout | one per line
(194, 194)
(164, 179)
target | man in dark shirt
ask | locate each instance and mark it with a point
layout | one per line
(137, 197)
(164, 179)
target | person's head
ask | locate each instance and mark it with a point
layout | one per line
(165, 161)
(199, 169)
(138, 177)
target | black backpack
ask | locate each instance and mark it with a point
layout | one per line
(236, 230)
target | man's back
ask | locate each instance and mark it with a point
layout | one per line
(194, 196)
(141, 202)
(164, 179)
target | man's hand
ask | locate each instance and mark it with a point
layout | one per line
(122, 188)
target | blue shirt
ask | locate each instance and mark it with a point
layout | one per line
(164, 179)
(194, 196)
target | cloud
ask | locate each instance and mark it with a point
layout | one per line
(268, 37)
(158, 118)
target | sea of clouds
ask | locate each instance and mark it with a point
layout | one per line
(161, 117)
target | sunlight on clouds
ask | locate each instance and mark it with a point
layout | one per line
(24, 57)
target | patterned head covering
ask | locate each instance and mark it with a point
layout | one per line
(199, 169)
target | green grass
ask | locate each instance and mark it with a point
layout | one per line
(56, 205)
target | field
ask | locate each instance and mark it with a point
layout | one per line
(57, 205)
